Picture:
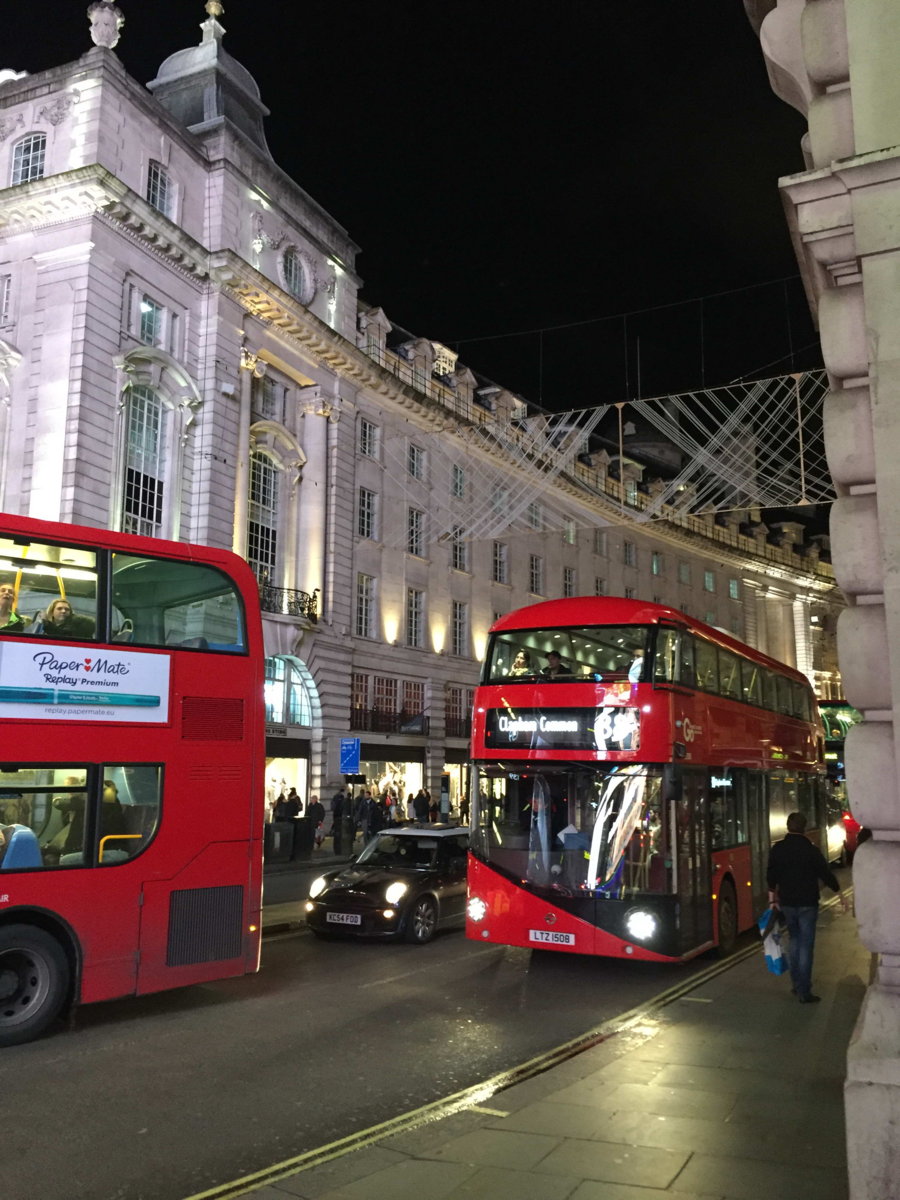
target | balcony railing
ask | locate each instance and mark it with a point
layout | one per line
(290, 602)
(374, 720)
(458, 727)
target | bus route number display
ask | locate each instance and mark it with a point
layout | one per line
(597, 729)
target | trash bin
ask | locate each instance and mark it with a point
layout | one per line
(278, 842)
(304, 837)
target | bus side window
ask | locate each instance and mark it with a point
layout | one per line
(751, 683)
(770, 691)
(729, 675)
(129, 811)
(707, 666)
(168, 602)
(686, 668)
(665, 662)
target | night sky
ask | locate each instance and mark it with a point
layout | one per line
(511, 167)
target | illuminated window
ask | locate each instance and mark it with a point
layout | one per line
(569, 532)
(262, 525)
(536, 574)
(500, 563)
(152, 322)
(365, 606)
(734, 589)
(28, 159)
(709, 581)
(459, 629)
(297, 276)
(415, 618)
(5, 299)
(656, 563)
(142, 502)
(415, 532)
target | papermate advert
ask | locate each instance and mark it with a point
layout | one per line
(49, 682)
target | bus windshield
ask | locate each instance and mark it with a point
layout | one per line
(575, 831)
(593, 652)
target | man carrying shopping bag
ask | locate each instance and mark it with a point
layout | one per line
(795, 868)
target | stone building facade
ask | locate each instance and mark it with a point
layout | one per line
(838, 62)
(184, 354)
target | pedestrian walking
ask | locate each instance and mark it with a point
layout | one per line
(420, 806)
(315, 810)
(338, 802)
(795, 869)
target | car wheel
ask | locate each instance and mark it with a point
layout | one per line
(422, 921)
(728, 930)
(34, 981)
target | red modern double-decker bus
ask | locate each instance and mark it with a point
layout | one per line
(131, 795)
(627, 788)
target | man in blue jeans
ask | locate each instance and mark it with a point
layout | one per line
(795, 868)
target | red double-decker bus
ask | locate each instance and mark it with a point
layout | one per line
(631, 769)
(131, 795)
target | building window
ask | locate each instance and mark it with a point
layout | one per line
(413, 698)
(599, 585)
(684, 573)
(459, 631)
(385, 694)
(415, 532)
(656, 563)
(500, 563)
(459, 551)
(569, 534)
(736, 630)
(536, 574)
(286, 695)
(151, 330)
(368, 438)
(415, 618)
(457, 482)
(568, 581)
(534, 516)
(142, 503)
(709, 581)
(734, 589)
(359, 692)
(631, 491)
(5, 299)
(297, 276)
(268, 399)
(629, 554)
(160, 193)
(499, 499)
(710, 617)
(629, 593)
(415, 461)
(28, 158)
(600, 542)
(365, 606)
(366, 511)
(262, 527)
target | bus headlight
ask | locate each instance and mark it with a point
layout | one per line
(476, 908)
(317, 887)
(395, 892)
(640, 924)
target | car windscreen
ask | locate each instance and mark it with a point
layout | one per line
(389, 850)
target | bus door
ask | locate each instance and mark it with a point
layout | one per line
(758, 830)
(689, 821)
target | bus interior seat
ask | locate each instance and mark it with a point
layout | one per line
(125, 632)
(22, 850)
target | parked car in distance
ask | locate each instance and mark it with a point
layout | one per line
(408, 881)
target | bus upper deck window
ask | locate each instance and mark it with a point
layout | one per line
(169, 602)
(54, 589)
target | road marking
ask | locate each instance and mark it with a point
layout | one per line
(473, 1098)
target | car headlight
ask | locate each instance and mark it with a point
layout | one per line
(395, 892)
(476, 908)
(317, 887)
(641, 925)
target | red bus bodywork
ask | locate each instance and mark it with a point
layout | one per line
(692, 741)
(187, 907)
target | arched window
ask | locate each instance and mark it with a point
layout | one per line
(297, 275)
(262, 529)
(28, 158)
(145, 462)
(289, 696)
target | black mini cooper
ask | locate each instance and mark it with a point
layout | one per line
(408, 882)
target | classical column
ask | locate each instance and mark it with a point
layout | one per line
(252, 367)
(319, 411)
(803, 648)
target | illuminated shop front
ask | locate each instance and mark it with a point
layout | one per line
(289, 693)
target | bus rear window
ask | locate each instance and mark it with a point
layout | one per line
(168, 602)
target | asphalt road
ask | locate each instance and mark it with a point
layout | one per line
(160, 1097)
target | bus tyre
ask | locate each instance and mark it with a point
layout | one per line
(727, 919)
(422, 921)
(34, 981)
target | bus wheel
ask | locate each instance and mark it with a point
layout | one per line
(422, 921)
(34, 980)
(727, 919)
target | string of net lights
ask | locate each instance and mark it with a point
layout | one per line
(741, 446)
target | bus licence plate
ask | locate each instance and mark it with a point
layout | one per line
(551, 935)
(344, 918)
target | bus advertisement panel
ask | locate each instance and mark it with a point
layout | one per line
(131, 791)
(632, 767)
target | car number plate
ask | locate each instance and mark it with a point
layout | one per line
(551, 935)
(344, 918)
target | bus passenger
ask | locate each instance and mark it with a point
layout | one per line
(556, 668)
(59, 620)
(521, 664)
(10, 621)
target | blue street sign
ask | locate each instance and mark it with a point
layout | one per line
(349, 756)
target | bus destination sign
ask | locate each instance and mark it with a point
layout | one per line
(594, 729)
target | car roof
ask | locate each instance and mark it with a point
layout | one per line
(440, 831)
